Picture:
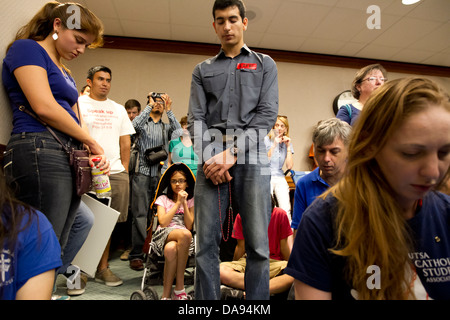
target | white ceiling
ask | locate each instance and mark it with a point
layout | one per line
(417, 33)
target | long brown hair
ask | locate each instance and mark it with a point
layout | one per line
(371, 229)
(41, 25)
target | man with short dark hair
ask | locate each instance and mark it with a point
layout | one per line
(233, 105)
(133, 108)
(108, 123)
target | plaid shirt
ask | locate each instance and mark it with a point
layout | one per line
(151, 135)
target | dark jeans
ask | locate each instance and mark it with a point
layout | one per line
(251, 193)
(143, 190)
(37, 168)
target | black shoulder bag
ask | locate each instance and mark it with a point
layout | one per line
(157, 154)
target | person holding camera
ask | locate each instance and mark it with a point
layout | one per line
(153, 142)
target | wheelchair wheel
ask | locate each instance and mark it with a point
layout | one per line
(138, 295)
(190, 294)
(150, 293)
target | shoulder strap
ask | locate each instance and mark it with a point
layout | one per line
(349, 110)
(24, 109)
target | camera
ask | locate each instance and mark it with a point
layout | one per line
(154, 96)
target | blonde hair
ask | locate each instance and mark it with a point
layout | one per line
(41, 25)
(285, 121)
(371, 229)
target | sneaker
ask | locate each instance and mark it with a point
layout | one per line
(108, 278)
(124, 256)
(228, 293)
(76, 281)
(81, 289)
(180, 296)
(56, 296)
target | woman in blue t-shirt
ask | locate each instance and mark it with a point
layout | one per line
(29, 250)
(34, 76)
(383, 231)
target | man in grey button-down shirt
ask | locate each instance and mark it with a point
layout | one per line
(233, 105)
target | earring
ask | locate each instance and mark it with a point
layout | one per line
(55, 36)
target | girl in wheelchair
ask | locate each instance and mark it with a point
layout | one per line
(173, 238)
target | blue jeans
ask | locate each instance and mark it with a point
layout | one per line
(251, 197)
(37, 168)
(84, 220)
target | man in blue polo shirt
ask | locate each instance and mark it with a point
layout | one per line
(330, 139)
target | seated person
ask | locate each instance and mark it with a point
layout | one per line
(382, 231)
(330, 140)
(280, 152)
(173, 239)
(232, 273)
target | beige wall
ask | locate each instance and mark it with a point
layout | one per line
(14, 14)
(306, 91)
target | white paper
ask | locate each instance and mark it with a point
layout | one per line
(105, 220)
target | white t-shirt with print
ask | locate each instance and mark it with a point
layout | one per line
(106, 121)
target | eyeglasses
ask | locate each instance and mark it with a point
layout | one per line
(179, 181)
(373, 79)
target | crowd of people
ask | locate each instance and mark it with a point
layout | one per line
(378, 197)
